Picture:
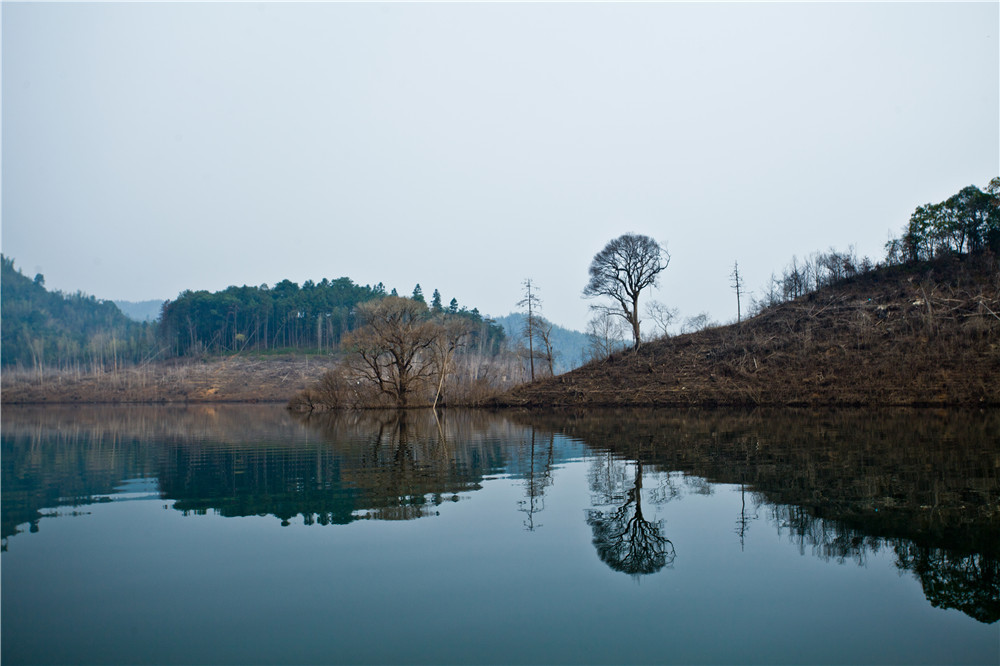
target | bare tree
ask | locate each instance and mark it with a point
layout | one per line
(662, 316)
(604, 335)
(627, 265)
(532, 303)
(737, 284)
(544, 329)
(393, 345)
(697, 322)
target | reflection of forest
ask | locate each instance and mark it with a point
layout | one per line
(251, 460)
(841, 483)
(56, 456)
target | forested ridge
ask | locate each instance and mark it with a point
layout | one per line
(313, 317)
(50, 328)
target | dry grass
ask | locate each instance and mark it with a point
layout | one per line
(926, 335)
(231, 379)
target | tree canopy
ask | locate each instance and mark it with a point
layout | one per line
(627, 265)
(966, 222)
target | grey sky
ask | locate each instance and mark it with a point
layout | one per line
(152, 148)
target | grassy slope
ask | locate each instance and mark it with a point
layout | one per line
(919, 334)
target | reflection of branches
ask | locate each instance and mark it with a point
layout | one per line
(627, 542)
(667, 490)
(827, 539)
(536, 482)
(745, 518)
(607, 478)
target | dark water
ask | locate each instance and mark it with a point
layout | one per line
(242, 534)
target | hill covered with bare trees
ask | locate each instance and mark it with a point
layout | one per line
(924, 333)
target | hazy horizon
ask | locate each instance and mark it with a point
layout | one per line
(152, 148)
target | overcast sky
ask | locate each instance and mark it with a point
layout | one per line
(152, 148)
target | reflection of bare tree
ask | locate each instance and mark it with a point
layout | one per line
(537, 480)
(624, 539)
(745, 518)
(393, 470)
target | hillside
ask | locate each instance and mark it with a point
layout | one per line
(922, 333)
(42, 327)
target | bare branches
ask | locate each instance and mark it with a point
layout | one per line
(662, 316)
(627, 265)
(392, 343)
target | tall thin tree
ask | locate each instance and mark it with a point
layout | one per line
(737, 283)
(531, 302)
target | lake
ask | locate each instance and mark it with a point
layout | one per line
(246, 534)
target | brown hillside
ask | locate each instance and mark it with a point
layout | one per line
(919, 334)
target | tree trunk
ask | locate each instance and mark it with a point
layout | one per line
(634, 318)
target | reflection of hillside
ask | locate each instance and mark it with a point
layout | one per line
(61, 462)
(841, 483)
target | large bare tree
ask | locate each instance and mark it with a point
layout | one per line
(627, 265)
(394, 345)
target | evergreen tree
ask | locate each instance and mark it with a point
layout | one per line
(436, 301)
(418, 294)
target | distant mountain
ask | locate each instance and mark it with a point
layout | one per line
(141, 310)
(570, 346)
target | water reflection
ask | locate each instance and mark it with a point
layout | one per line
(624, 539)
(840, 485)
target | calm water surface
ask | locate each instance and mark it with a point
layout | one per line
(244, 534)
